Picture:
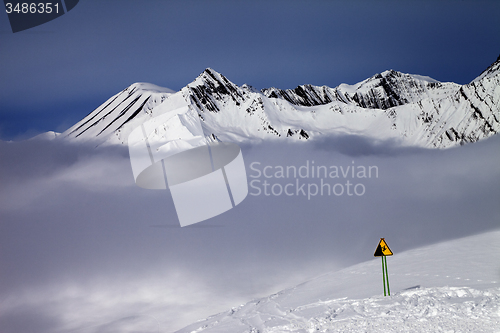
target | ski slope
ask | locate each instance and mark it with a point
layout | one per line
(452, 286)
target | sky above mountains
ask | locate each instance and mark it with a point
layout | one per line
(55, 74)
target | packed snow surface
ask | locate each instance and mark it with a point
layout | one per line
(452, 286)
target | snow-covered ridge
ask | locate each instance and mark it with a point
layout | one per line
(50, 135)
(381, 91)
(439, 288)
(117, 112)
(412, 109)
(490, 71)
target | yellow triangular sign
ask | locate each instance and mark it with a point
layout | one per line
(382, 249)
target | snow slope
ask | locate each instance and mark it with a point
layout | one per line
(452, 286)
(123, 111)
(414, 110)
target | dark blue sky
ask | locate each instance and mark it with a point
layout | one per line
(53, 75)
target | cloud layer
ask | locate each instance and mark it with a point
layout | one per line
(83, 249)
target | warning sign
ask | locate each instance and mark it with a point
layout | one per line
(382, 249)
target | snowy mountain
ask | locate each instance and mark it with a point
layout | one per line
(411, 109)
(119, 112)
(446, 287)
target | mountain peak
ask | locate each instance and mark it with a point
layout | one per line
(210, 71)
(211, 75)
(389, 72)
(492, 70)
(148, 87)
(210, 87)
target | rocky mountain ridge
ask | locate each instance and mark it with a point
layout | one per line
(411, 109)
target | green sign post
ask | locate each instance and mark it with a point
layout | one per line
(383, 251)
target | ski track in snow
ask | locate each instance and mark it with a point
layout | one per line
(444, 309)
(436, 309)
(436, 288)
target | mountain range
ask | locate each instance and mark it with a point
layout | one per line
(412, 109)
